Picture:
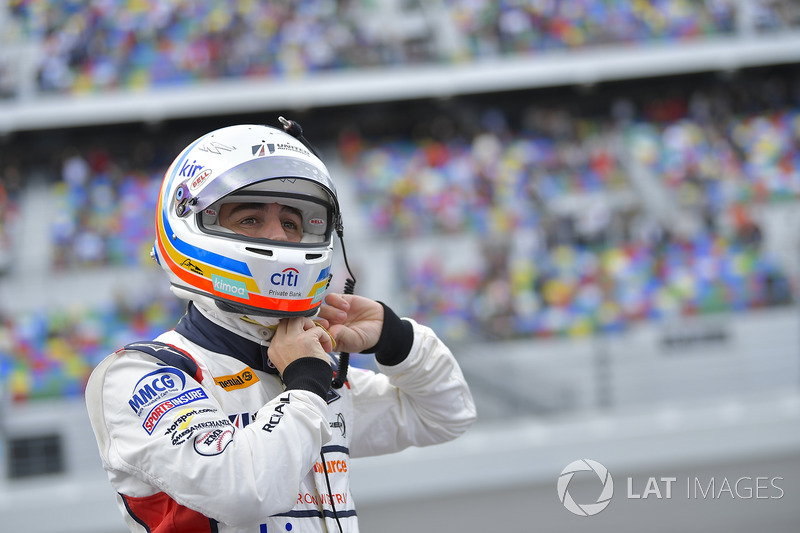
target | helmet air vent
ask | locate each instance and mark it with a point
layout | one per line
(261, 251)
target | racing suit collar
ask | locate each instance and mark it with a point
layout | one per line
(227, 336)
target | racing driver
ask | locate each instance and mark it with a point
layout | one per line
(234, 421)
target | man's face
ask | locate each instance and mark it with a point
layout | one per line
(265, 221)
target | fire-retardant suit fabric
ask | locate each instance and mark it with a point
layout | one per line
(198, 432)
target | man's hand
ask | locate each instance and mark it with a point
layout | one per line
(295, 338)
(354, 322)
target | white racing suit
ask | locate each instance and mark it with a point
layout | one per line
(198, 432)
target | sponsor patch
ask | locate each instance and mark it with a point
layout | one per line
(286, 278)
(179, 437)
(155, 386)
(230, 286)
(340, 424)
(188, 170)
(198, 180)
(277, 413)
(191, 266)
(292, 148)
(184, 418)
(158, 411)
(241, 420)
(242, 380)
(213, 442)
(259, 149)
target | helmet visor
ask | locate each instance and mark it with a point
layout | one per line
(286, 174)
(272, 216)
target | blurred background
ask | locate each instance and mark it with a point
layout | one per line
(595, 202)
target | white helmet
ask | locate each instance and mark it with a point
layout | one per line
(255, 276)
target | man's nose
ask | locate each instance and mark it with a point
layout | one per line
(273, 230)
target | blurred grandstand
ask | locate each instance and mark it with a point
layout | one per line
(600, 194)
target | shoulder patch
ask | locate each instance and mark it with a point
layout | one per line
(169, 355)
(243, 379)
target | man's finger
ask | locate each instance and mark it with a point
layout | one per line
(339, 301)
(293, 325)
(280, 330)
(325, 338)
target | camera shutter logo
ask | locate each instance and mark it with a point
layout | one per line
(585, 509)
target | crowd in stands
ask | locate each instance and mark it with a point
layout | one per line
(531, 27)
(90, 45)
(106, 45)
(525, 289)
(51, 352)
(753, 158)
(494, 181)
(103, 214)
(543, 273)
(542, 270)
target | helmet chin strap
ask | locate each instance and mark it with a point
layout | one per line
(257, 328)
(261, 328)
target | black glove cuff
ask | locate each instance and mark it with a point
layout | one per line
(397, 337)
(309, 373)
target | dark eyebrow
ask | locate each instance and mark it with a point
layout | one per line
(292, 210)
(259, 206)
(242, 207)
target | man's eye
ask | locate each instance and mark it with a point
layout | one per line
(248, 221)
